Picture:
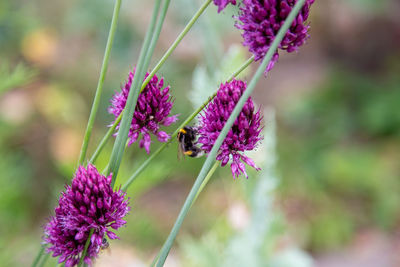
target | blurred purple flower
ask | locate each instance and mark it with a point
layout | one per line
(244, 134)
(153, 107)
(89, 203)
(260, 21)
(221, 4)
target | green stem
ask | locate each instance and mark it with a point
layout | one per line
(242, 68)
(175, 133)
(86, 247)
(155, 36)
(38, 256)
(213, 153)
(153, 72)
(119, 145)
(176, 42)
(210, 173)
(44, 260)
(97, 97)
(103, 141)
(155, 260)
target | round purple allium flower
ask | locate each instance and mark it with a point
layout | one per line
(244, 134)
(89, 203)
(261, 20)
(221, 4)
(153, 107)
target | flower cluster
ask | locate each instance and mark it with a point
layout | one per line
(221, 4)
(89, 203)
(260, 21)
(244, 134)
(152, 110)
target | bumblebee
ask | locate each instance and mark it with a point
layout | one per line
(187, 137)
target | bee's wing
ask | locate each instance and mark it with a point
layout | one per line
(181, 150)
(181, 146)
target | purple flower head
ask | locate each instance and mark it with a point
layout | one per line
(244, 134)
(260, 21)
(153, 107)
(221, 4)
(89, 203)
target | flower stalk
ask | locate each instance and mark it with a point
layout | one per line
(208, 177)
(177, 41)
(155, 36)
(213, 153)
(103, 141)
(99, 90)
(38, 256)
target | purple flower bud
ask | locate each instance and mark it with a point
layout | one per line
(152, 110)
(244, 134)
(260, 21)
(80, 210)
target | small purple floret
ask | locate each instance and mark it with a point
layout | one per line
(260, 21)
(244, 134)
(221, 4)
(89, 203)
(153, 107)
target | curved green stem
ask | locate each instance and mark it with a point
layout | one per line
(97, 97)
(213, 153)
(175, 133)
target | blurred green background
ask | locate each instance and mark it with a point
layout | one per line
(331, 199)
